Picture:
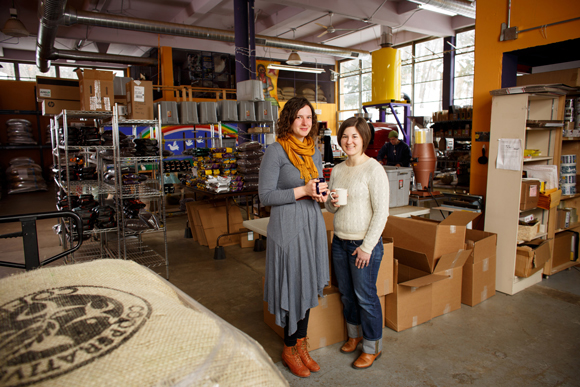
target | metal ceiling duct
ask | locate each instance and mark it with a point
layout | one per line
(97, 57)
(460, 7)
(95, 19)
(50, 13)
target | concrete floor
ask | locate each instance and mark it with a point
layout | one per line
(529, 339)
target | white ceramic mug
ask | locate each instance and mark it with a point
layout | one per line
(341, 194)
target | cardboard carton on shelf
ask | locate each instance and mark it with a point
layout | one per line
(530, 194)
(51, 107)
(96, 90)
(139, 99)
(57, 89)
(479, 271)
(531, 257)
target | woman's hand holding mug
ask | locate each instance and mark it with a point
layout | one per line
(338, 197)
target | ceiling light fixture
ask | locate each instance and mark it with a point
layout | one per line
(14, 26)
(294, 59)
(296, 69)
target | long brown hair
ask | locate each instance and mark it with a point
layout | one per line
(289, 114)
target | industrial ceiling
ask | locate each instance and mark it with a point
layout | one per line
(353, 25)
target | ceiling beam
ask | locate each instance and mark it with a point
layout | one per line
(194, 10)
(276, 23)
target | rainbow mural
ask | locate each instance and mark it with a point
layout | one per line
(180, 137)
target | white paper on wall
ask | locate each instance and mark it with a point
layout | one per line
(510, 155)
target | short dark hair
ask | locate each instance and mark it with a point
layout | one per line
(289, 114)
(360, 125)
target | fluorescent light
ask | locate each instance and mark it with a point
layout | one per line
(432, 8)
(296, 68)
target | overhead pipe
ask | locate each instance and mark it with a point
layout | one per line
(95, 19)
(98, 57)
(460, 7)
(50, 13)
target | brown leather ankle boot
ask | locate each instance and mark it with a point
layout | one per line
(291, 359)
(350, 344)
(302, 347)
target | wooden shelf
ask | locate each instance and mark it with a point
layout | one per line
(570, 138)
(538, 236)
(568, 228)
(564, 266)
(568, 197)
(538, 158)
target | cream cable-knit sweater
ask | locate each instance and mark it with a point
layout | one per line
(367, 209)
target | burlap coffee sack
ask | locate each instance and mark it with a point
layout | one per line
(115, 323)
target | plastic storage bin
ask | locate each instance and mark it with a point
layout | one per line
(169, 113)
(246, 111)
(188, 112)
(250, 90)
(264, 111)
(399, 185)
(208, 113)
(227, 110)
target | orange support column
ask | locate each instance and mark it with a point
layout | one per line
(166, 70)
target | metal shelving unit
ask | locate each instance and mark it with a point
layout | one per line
(131, 245)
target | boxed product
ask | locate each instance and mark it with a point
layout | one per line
(479, 271)
(57, 89)
(532, 256)
(139, 95)
(530, 194)
(56, 106)
(96, 89)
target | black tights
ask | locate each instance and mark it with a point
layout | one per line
(301, 330)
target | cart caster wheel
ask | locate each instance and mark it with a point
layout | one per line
(219, 253)
(187, 233)
(259, 245)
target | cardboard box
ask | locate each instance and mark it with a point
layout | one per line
(530, 194)
(96, 89)
(565, 248)
(51, 107)
(549, 200)
(386, 276)
(531, 257)
(568, 77)
(195, 224)
(214, 224)
(248, 239)
(57, 88)
(326, 325)
(429, 237)
(328, 220)
(478, 282)
(422, 293)
(139, 100)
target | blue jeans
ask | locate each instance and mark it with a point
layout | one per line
(358, 289)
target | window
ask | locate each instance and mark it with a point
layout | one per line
(354, 86)
(464, 68)
(67, 72)
(7, 71)
(28, 72)
(428, 77)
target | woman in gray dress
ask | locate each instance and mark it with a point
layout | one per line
(296, 252)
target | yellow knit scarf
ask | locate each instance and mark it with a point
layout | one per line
(294, 149)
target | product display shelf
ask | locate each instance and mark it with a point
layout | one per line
(97, 247)
(511, 115)
(130, 244)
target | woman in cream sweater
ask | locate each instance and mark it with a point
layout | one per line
(357, 247)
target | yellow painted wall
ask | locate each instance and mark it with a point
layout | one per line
(328, 114)
(489, 50)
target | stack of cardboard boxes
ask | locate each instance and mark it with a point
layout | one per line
(94, 91)
(207, 221)
(428, 269)
(56, 95)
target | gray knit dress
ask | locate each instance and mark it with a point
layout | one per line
(297, 249)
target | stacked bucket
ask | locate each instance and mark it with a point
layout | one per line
(568, 174)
